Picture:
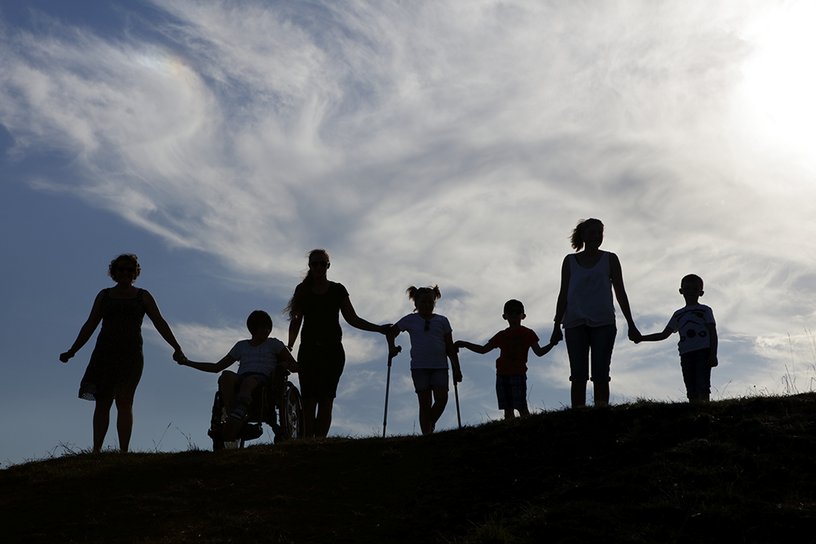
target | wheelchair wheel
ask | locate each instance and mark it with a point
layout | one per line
(291, 413)
(216, 423)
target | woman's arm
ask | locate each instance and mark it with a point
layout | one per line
(616, 274)
(86, 330)
(358, 322)
(561, 303)
(152, 311)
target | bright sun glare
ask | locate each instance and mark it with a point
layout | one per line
(779, 81)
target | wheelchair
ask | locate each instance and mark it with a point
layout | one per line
(278, 404)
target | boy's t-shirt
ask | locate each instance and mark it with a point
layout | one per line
(514, 344)
(260, 359)
(692, 324)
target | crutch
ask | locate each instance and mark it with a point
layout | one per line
(456, 396)
(387, 385)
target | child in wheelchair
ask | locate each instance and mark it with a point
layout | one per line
(257, 360)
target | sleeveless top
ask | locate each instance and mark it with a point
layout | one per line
(117, 359)
(589, 295)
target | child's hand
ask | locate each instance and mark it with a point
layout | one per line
(635, 336)
(180, 358)
(556, 336)
(64, 357)
(459, 344)
(393, 351)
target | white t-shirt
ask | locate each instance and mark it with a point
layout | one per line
(692, 323)
(260, 359)
(427, 340)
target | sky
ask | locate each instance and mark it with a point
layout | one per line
(432, 142)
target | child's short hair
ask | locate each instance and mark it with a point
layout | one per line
(513, 307)
(692, 278)
(415, 292)
(258, 320)
(577, 238)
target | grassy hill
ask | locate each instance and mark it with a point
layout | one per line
(731, 471)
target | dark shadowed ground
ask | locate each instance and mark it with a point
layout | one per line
(732, 471)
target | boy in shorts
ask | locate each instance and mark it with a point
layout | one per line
(514, 343)
(257, 359)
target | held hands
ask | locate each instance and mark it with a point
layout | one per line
(556, 336)
(634, 335)
(179, 357)
(393, 351)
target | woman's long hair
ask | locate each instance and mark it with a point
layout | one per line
(295, 305)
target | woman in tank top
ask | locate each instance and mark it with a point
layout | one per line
(587, 313)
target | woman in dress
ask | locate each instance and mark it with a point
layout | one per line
(316, 305)
(116, 363)
(586, 310)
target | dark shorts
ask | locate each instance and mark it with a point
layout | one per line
(511, 391)
(590, 347)
(321, 366)
(428, 379)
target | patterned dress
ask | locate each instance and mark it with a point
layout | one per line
(117, 360)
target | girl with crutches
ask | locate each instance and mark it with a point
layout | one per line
(431, 346)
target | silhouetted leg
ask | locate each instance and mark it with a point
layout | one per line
(601, 390)
(323, 419)
(509, 413)
(440, 400)
(425, 399)
(578, 393)
(577, 340)
(101, 420)
(309, 409)
(124, 419)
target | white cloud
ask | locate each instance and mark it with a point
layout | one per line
(448, 142)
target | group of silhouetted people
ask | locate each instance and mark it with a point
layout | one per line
(584, 309)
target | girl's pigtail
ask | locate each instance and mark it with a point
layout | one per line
(412, 292)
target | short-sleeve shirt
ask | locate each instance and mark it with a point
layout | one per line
(514, 346)
(692, 324)
(427, 340)
(260, 359)
(321, 314)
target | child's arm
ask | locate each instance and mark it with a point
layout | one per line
(542, 351)
(476, 348)
(656, 336)
(225, 362)
(712, 354)
(454, 357)
(287, 361)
